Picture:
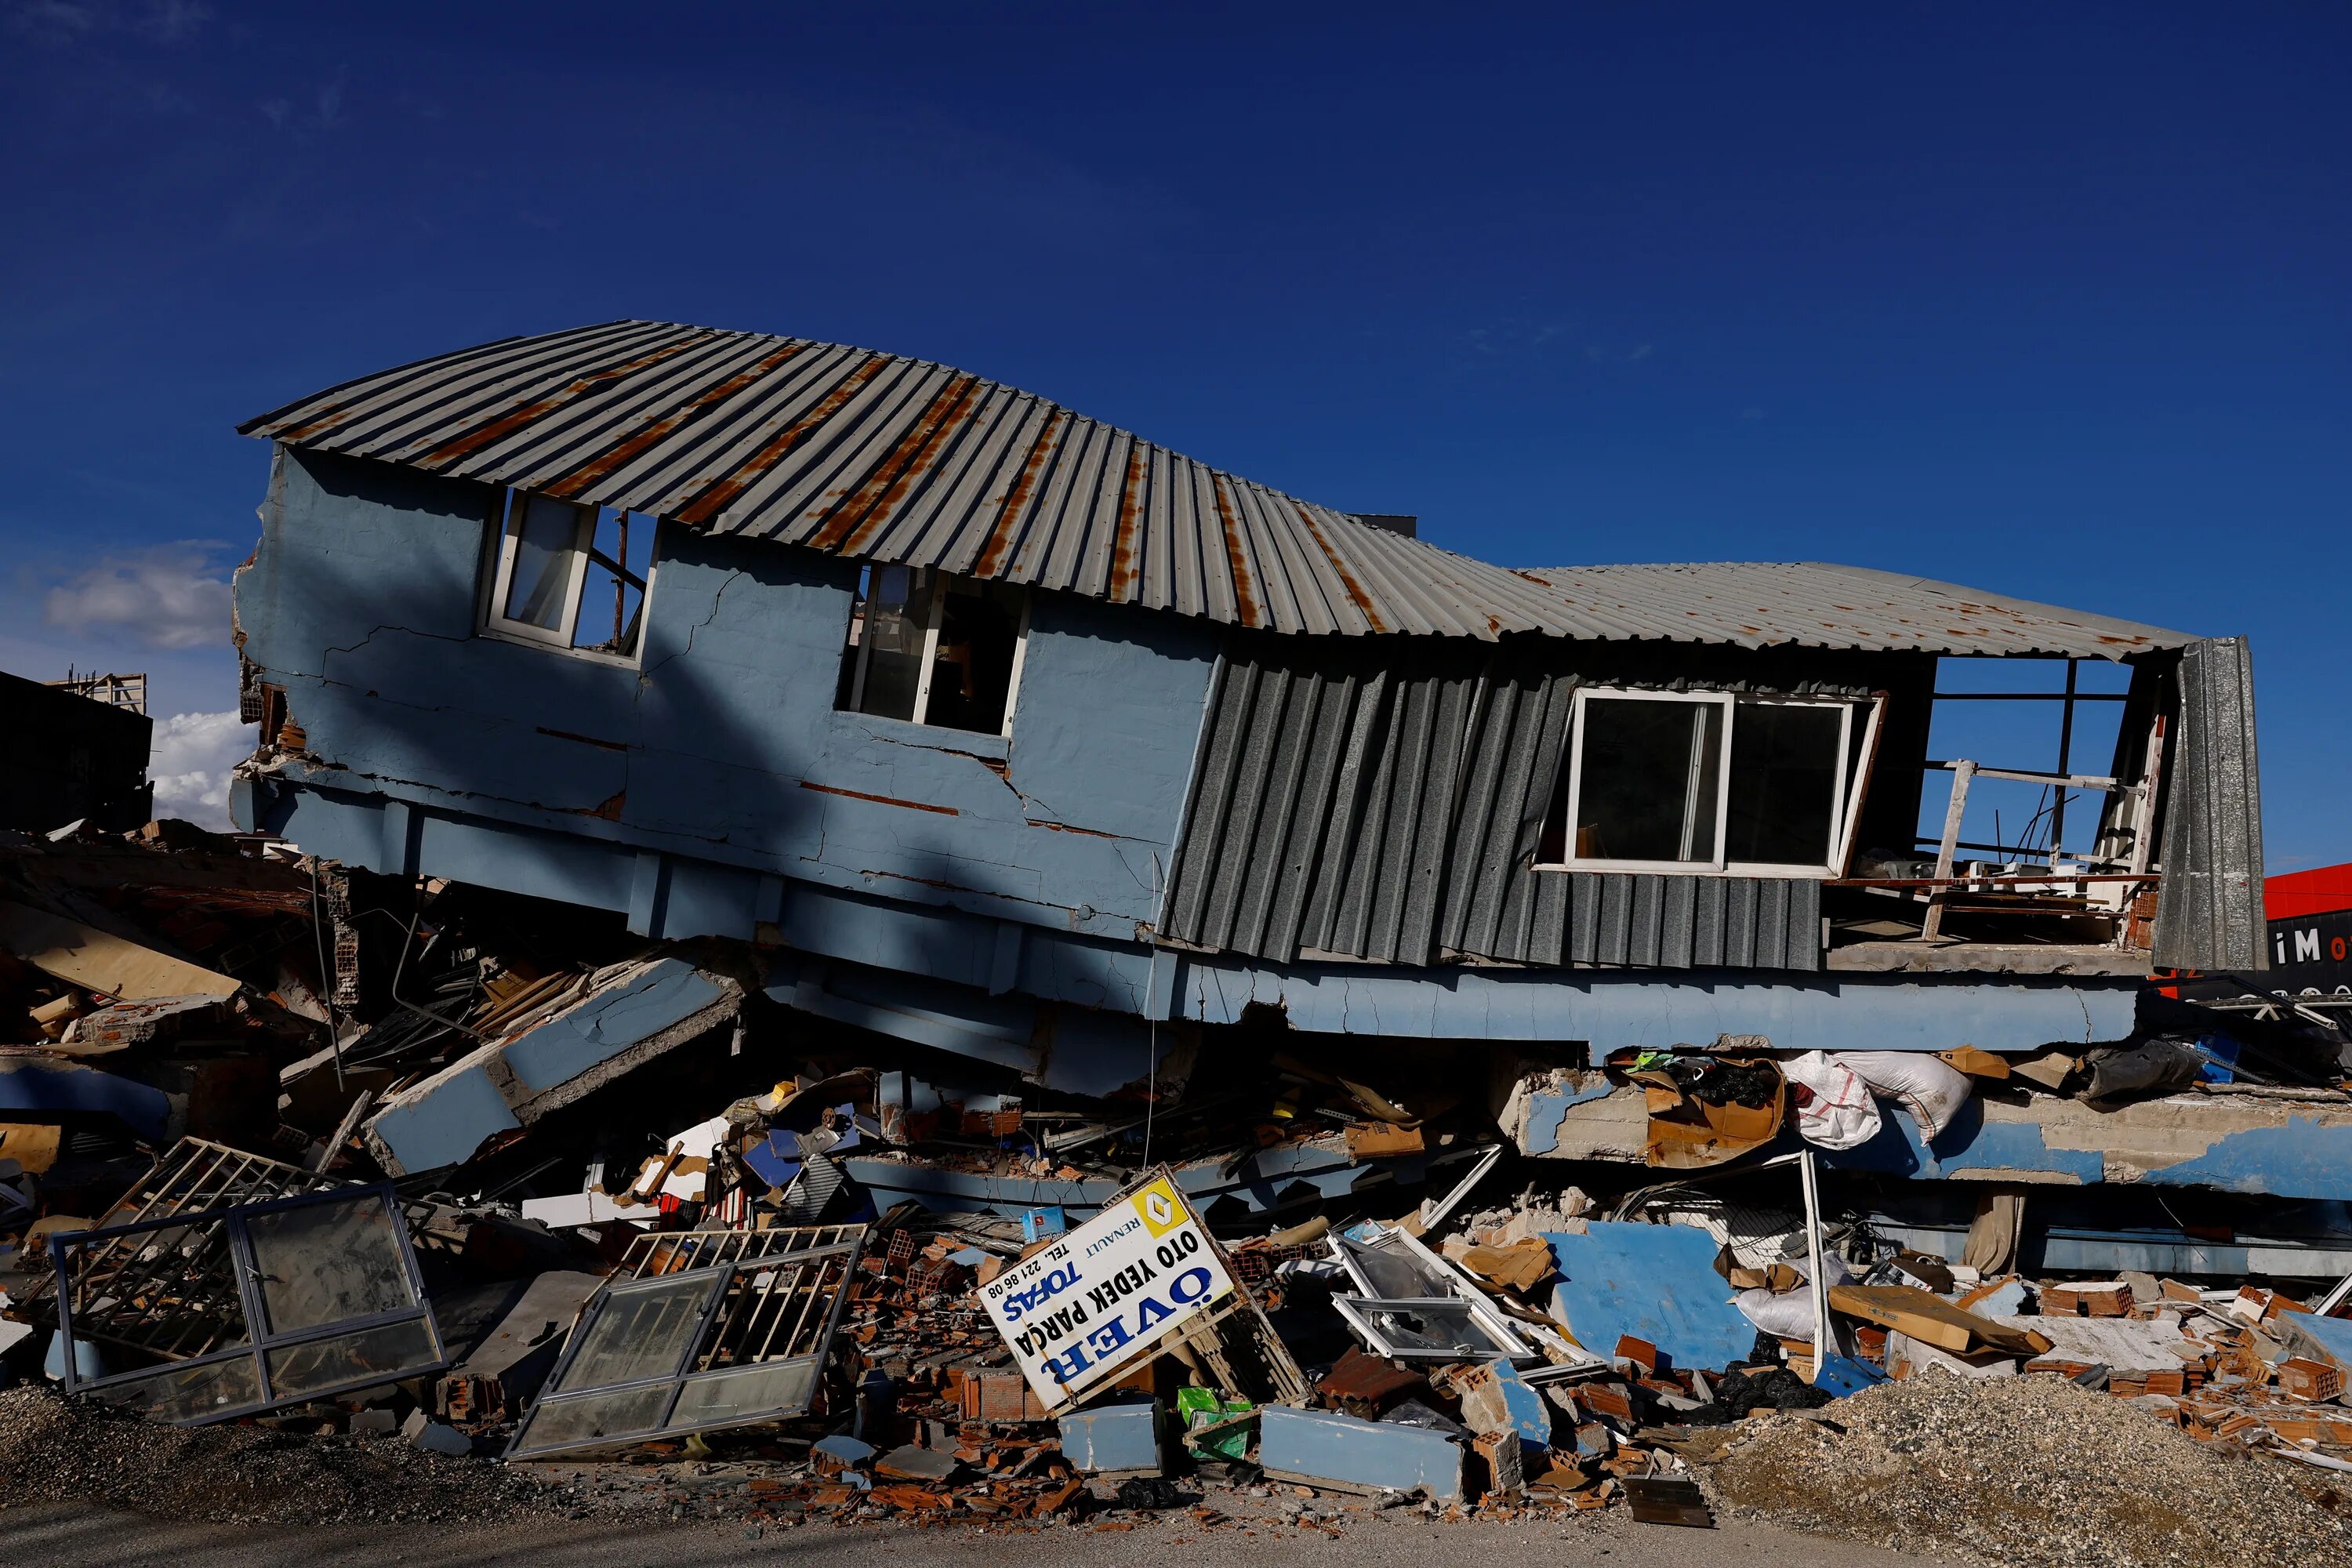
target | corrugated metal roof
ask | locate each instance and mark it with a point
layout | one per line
(869, 455)
(1341, 808)
(1758, 603)
(884, 458)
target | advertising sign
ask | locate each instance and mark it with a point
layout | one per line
(1105, 1295)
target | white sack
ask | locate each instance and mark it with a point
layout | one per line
(1931, 1088)
(1841, 1114)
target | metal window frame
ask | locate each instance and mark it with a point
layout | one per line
(936, 613)
(259, 1340)
(1841, 790)
(1846, 793)
(731, 1253)
(196, 1175)
(1489, 1317)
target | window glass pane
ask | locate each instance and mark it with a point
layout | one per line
(612, 584)
(327, 1261)
(569, 1423)
(1391, 1271)
(381, 1355)
(640, 1333)
(543, 543)
(188, 1393)
(1786, 767)
(979, 625)
(891, 627)
(752, 1390)
(1650, 780)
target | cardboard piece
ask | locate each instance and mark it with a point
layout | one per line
(1686, 1134)
(1908, 1309)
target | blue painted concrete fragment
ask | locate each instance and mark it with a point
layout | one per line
(506, 1084)
(2302, 1159)
(608, 1023)
(1546, 1110)
(444, 1118)
(1323, 1446)
(1970, 1145)
(1656, 1282)
(1116, 1439)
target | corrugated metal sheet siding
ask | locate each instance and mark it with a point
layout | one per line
(1344, 809)
(2209, 912)
(884, 458)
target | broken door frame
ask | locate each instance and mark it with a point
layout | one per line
(713, 1258)
(259, 1341)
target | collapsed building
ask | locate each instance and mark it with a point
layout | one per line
(944, 804)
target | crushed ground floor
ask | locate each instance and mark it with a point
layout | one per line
(421, 1204)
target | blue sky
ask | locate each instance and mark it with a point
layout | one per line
(2054, 300)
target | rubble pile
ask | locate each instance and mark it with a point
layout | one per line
(2033, 1472)
(392, 1200)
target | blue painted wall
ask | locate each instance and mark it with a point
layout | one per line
(695, 786)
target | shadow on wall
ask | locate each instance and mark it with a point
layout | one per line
(699, 751)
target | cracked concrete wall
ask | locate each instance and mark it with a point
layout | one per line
(696, 789)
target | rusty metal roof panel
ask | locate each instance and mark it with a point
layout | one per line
(1757, 602)
(870, 455)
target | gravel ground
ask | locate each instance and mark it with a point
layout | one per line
(82, 1537)
(2029, 1472)
(52, 1447)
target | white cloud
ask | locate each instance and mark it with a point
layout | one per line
(166, 595)
(189, 765)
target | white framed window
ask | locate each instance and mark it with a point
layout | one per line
(569, 576)
(933, 648)
(1706, 782)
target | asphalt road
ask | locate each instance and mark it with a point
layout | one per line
(64, 1536)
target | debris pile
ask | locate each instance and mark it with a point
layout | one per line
(355, 1187)
(2034, 1472)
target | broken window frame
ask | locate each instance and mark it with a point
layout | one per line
(858, 648)
(1854, 764)
(508, 515)
(713, 1258)
(260, 1341)
(1465, 1291)
(1362, 1315)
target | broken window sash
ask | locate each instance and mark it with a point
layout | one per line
(1390, 1269)
(1705, 781)
(191, 1176)
(933, 648)
(570, 576)
(246, 1307)
(1431, 1327)
(697, 1331)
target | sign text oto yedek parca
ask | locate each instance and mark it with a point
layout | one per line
(1104, 1294)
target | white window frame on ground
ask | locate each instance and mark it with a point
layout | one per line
(935, 609)
(1846, 793)
(513, 512)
